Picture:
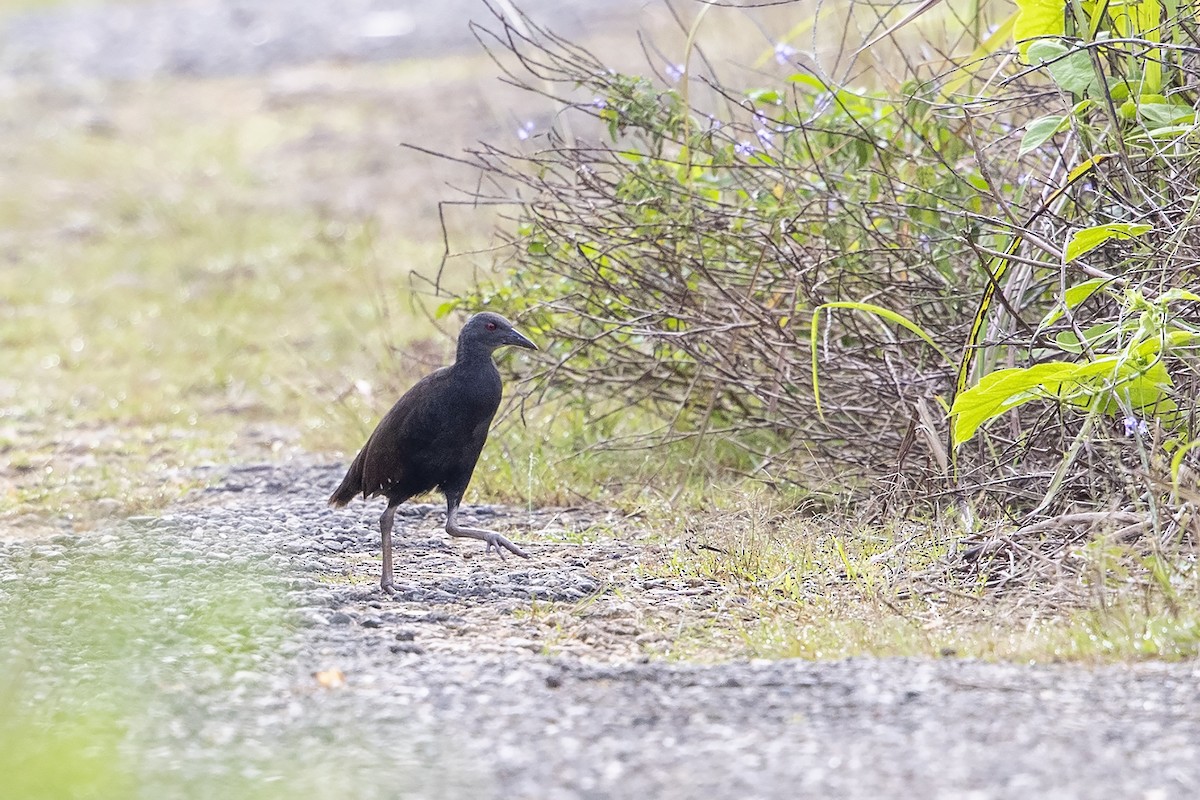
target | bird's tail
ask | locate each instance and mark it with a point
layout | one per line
(352, 484)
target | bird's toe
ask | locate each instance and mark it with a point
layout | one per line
(500, 544)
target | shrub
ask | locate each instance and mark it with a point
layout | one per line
(818, 272)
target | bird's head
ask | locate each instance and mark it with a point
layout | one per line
(488, 331)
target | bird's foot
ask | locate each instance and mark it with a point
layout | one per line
(494, 540)
(500, 543)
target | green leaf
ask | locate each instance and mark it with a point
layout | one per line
(764, 96)
(1068, 342)
(808, 80)
(1171, 295)
(1074, 73)
(1044, 51)
(1039, 131)
(1096, 336)
(1070, 68)
(1108, 385)
(1082, 107)
(1071, 298)
(1038, 18)
(1089, 239)
(1162, 115)
(1000, 391)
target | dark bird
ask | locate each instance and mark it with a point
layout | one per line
(432, 437)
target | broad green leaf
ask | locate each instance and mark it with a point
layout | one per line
(1109, 385)
(1114, 367)
(1068, 342)
(808, 80)
(1039, 131)
(1161, 115)
(1038, 18)
(1182, 339)
(1071, 68)
(1089, 239)
(1071, 298)
(1044, 51)
(1114, 386)
(1097, 336)
(1000, 391)
(1082, 291)
(1074, 73)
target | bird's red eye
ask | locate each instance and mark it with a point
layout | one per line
(491, 326)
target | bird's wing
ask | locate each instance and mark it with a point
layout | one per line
(410, 427)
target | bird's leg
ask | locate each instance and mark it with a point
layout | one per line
(385, 533)
(494, 540)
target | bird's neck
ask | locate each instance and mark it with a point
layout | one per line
(469, 356)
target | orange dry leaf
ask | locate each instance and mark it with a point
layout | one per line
(332, 678)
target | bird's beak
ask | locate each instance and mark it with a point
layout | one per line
(517, 340)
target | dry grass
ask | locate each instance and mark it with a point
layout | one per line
(792, 585)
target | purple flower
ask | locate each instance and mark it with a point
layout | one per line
(674, 72)
(599, 102)
(1134, 426)
(764, 135)
(783, 53)
(526, 130)
(744, 149)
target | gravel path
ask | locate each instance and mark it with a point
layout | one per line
(449, 691)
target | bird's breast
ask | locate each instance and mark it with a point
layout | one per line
(476, 393)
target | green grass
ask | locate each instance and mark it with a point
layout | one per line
(9, 7)
(108, 680)
(169, 302)
(223, 271)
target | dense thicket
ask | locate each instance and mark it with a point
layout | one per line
(1017, 232)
